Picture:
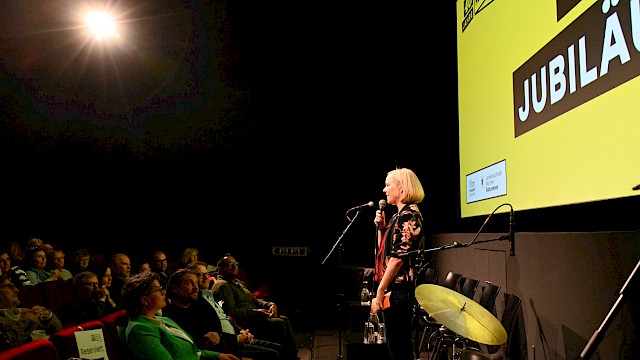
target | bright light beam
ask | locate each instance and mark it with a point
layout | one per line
(101, 25)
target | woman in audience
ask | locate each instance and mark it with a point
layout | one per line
(21, 325)
(189, 255)
(15, 273)
(80, 261)
(38, 273)
(104, 278)
(150, 336)
(55, 260)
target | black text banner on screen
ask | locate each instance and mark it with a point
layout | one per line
(547, 87)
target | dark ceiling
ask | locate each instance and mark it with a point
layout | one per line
(222, 119)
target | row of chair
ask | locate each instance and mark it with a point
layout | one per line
(62, 345)
(438, 338)
(50, 294)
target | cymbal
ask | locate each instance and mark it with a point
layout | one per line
(460, 314)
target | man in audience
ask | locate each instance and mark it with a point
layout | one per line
(22, 325)
(200, 268)
(202, 314)
(158, 264)
(121, 267)
(90, 300)
(249, 312)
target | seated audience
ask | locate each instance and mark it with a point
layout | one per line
(80, 262)
(201, 320)
(247, 345)
(121, 270)
(22, 325)
(90, 300)
(260, 316)
(105, 279)
(159, 265)
(37, 271)
(189, 256)
(55, 260)
(150, 336)
(15, 273)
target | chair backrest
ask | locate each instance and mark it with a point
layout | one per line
(468, 287)
(516, 345)
(452, 281)
(114, 324)
(430, 276)
(65, 340)
(57, 294)
(41, 349)
(30, 296)
(488, 296)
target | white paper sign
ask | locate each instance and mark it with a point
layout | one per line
(91, 344)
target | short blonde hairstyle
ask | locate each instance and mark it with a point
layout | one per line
(410, 187)
(186, 254)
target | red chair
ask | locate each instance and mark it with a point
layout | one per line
(30, 296)
(41, 349)
(57, 294)
(114, 323)
(65, 340)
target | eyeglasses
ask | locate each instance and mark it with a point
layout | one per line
(160, 261)
(231, 264)
(201, 274)
(93, 284)
(160, 288)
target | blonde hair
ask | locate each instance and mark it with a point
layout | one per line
(410, 187)
(186, 254)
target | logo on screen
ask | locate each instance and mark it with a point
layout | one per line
(471, 8)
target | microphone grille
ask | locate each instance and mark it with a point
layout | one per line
(382, 203)
(371, 204)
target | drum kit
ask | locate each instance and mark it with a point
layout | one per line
(461, 315)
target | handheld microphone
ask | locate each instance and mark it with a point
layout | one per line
(381, 204)
(512, 236)
(369, 204)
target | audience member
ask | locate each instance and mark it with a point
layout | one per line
(81, 261)
(55, 260)
(158, 264)
(16, 253)
(150, 336)
(37, 271)
(90, 300)
(15, 273)
(189, 255)
(105, 279)
(35, 242)
(260, 316)
(144, 267)
(22, 325)
(121, 270)
(196, 316)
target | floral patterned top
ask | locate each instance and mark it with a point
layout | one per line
(401, 235)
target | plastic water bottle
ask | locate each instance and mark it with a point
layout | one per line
(364, 294)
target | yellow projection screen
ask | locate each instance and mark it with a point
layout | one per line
(549, 102)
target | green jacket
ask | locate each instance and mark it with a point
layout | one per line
(153, 339)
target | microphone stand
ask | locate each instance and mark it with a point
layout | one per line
(340, 293)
